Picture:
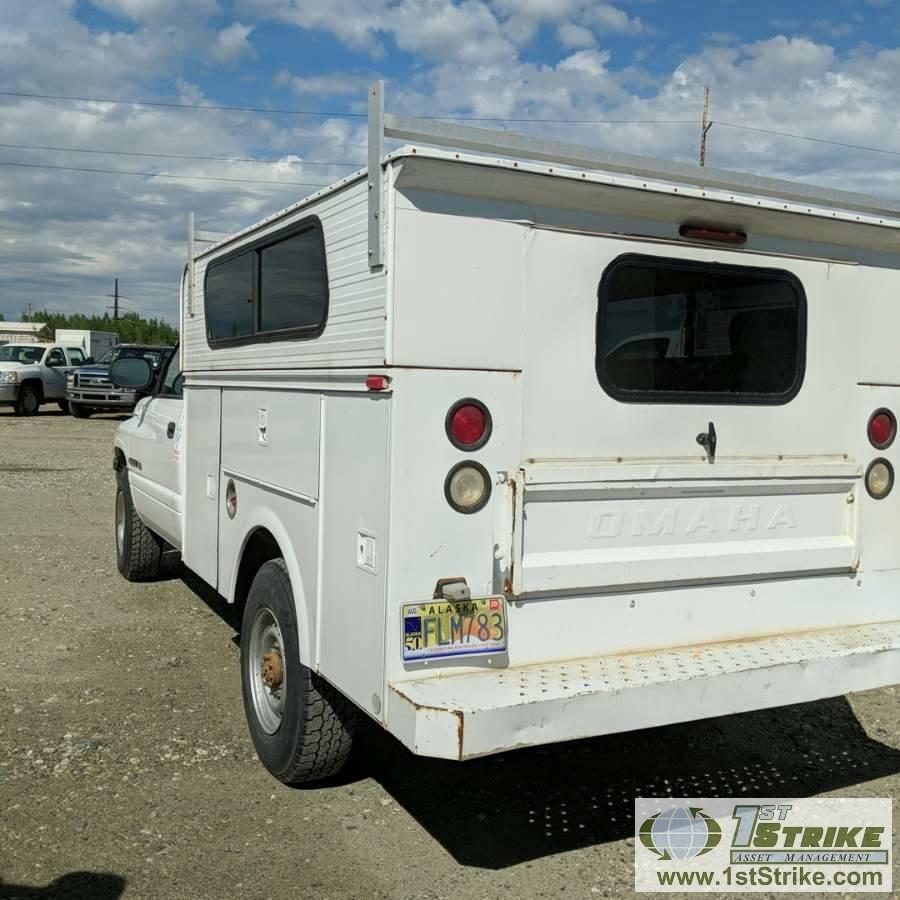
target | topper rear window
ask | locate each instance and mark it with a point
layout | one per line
(674, 331)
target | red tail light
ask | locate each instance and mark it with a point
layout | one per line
(468, 424)
(717, 235)
(882, 428)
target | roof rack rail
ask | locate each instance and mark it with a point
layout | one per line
(483, 140)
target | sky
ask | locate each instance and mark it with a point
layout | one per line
(635, 69)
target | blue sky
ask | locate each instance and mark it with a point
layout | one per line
(826, 69)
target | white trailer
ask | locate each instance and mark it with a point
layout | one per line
(92, 343)
(530, 446)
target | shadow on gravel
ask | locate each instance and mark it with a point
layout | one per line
(229, 613)
(73, 886)
(504, 810)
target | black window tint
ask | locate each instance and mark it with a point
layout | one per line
(673, 331)
(228, 296)
(293, 291)
(272, 290)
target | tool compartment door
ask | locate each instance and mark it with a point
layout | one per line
(614, 527)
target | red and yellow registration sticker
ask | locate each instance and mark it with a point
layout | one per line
(453, 628)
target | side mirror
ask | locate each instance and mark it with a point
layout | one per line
(132, 373)
(89, 361)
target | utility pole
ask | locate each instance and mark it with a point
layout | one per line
(116, 289)
(705, 127)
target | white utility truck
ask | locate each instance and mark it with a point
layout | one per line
(92, 343)
(531, 445)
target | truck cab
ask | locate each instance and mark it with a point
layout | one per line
(34, 374)
(149, 446)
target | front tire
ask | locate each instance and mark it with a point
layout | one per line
(28, 402)
(64, 406)
(138, 549)
(301, 726)
(79, 411)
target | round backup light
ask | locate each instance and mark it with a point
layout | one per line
(468, 424)
(468, 487)
(879, 478)
(882, 428)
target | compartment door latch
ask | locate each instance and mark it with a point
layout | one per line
(707, 440)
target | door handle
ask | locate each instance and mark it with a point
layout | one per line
(170, 430)
(708, 440)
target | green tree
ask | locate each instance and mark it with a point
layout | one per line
(130, 327)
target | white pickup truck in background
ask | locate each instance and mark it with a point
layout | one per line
(34, 374)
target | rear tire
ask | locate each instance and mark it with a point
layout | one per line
(80, 411)
(29, 401)
(302, 727)
(138, 549)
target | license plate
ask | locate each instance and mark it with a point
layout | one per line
(441, 628)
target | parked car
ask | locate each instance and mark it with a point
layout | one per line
(34, 374)
(89, 389)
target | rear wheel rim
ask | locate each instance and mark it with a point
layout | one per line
(268, 679)
(120, 522)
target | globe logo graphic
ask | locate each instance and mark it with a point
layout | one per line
(680, 833)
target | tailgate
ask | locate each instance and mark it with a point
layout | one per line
(576, 527)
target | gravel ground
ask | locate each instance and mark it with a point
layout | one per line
(126, 768)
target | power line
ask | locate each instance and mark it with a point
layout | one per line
(161, 174)
(228, 159)
(805, 137)
(172, 105)
(212, 107)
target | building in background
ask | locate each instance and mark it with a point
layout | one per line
(22, 332)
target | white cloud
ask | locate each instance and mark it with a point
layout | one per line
(232, 43)
(590, 62)
(334, 84)
(157, 11)
(612, 19)
(353, 22)
(465, 32)
(571, 35)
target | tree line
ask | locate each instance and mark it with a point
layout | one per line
(130, 327)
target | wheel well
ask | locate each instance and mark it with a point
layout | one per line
(259, 549)
(37, 384)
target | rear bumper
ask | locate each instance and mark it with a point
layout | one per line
(488, 711)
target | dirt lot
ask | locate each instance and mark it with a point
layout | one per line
(126, 768)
